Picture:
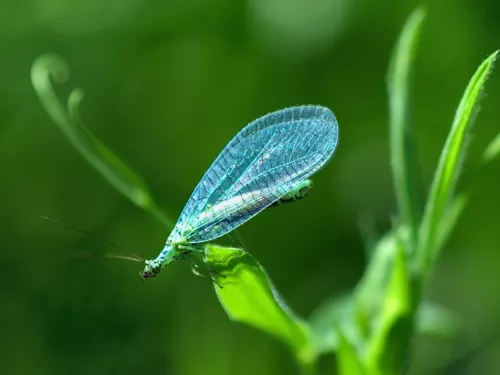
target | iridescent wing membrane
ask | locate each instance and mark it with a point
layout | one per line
(262, 162)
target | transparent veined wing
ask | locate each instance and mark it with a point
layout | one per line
(262, 162)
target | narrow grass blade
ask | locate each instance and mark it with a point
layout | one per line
(445, 177)
(450, 219)
(121, 176)
(248, 296)
(403, 160)
(459, 202)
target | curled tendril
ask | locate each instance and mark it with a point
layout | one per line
(74, 100)
(69, 121)
(44, 68)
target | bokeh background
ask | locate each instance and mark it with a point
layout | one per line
(168, 83)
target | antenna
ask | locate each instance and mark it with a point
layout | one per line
(134, 257)
(113, 256)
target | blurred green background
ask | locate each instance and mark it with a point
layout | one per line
(167, 85)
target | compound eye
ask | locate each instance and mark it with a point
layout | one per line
(156, 270)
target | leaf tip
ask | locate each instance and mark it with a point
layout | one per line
(419, 12)
(489, 62)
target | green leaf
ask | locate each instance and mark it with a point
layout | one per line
(431, 320)
(120, 175)
(333, 312)
(403, 160)
(446, 175)
(348, 362)
(373, 285)
(247, 295)
(388, 344)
